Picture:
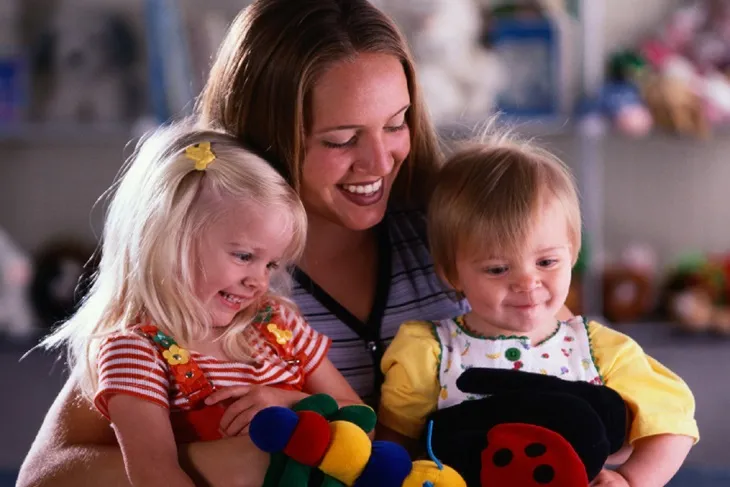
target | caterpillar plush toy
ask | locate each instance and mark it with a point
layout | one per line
(317, 443)
(527, 430)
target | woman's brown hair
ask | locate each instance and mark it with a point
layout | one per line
(260, 84)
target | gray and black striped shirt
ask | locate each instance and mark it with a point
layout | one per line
(409, 289)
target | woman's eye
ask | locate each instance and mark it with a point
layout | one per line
(272, 266)
(243, 256)
(340, 145)
(397, 128)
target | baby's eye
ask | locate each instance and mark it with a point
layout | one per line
(272, 266)
(547, 263)
(243, 256)
(496, 270)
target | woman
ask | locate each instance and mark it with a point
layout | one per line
(326, 91)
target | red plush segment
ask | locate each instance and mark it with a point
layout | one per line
(525, 455)
(310, 439)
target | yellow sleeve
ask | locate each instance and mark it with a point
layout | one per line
(660, 402)
(410, 390)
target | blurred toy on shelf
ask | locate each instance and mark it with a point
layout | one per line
(13, 64)
(696, 294)
(89, 56)
(621, 103)
(627, 284)
(63, 272)
(16, 317)
(532, 39)
(682, 69)
(459, 76)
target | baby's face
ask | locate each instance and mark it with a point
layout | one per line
(520, 293)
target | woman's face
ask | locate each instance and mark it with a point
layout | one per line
(358, 140)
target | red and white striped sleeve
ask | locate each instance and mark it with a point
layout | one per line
(306, 340)
(131, 365)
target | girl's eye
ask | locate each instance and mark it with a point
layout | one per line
(340, 145)
(243, 256)
(272, 266)
(546, 263)
(496, 271)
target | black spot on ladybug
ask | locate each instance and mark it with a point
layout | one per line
(543, 474)
(535, 450)
(502, 457)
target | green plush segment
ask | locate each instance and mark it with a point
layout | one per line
(331, 482)
(295, 474)
(277, 464)
(319, 403)
(361, 415)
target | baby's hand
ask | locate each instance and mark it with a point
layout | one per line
(609, 478)
(243, 402)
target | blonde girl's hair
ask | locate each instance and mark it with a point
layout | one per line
(260, 85)
(487, 196)
(160, 208)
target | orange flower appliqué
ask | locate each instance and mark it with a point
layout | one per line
(176, 355)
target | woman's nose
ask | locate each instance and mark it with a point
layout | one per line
(375, 158)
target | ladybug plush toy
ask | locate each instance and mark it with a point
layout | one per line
(530, 430)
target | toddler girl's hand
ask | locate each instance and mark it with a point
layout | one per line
(243, 402)
(609, 478)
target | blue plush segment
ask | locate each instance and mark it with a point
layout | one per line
(389, 466)
(272, 428)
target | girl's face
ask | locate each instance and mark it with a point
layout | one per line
(520, 294)
(358, 140)
(236, 256)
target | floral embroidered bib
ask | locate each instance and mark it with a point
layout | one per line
(565, 354)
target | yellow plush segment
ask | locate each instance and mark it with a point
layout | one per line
(427, 471)
(348, 453)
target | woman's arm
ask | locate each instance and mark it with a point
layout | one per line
(76, 446)
(326, 379)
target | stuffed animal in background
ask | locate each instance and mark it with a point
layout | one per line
(63, 271)
(697, 294)
(628, 294)
(90, 55)
(16, 316)
(460, 78)
(529, 430)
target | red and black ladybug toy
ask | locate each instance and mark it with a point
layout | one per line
(530, 431)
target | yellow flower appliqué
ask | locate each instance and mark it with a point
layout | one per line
(282, 336)
(176, 355)
(201, 154)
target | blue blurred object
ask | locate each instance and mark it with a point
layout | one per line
(13, 84)
(529, 49)
(617, 96)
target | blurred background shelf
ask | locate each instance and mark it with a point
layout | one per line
(70, 134)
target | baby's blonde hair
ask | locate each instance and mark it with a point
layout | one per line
(487, 195)
(161, 206)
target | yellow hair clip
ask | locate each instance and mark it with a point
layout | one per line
(201, 154)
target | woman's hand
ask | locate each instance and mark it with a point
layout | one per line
(609, 478)
(247, 401)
